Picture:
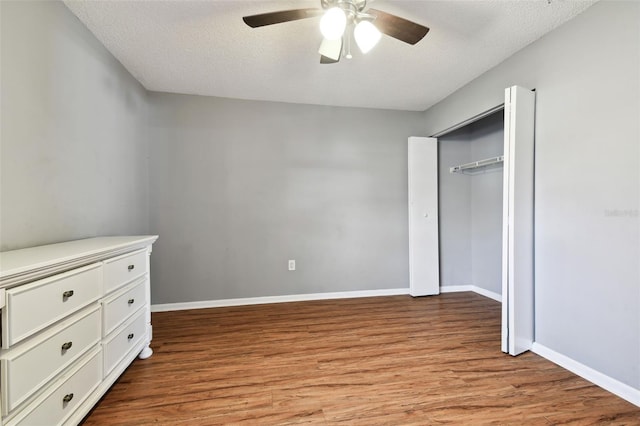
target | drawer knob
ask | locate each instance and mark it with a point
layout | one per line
(66, 346)
(130, 336)
(67, 294)
(130, 267)
(130, 301)
(67, 398)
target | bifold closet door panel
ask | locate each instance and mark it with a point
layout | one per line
(518, 221)
(424, 269)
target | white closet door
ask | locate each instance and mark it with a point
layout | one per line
(517, 240)
(424, 268)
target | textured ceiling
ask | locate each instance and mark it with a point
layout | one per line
(204, 48)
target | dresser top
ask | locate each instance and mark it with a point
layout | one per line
(18, 262)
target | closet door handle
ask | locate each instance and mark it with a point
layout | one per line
(66, 346)
(67, 294)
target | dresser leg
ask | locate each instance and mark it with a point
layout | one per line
(145, 353)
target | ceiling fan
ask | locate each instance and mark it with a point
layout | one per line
(343, 19)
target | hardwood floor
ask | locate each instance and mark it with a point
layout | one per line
(384, 360)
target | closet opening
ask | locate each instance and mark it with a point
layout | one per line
(471, 212)
(470, 206)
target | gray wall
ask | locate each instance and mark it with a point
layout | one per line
(587, 227)
(487, 140)
(454, 210)
(240, 187)
(471, 207)
(73, 149)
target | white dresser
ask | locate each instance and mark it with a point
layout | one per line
(74, 316)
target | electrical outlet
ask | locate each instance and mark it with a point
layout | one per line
(292, 265)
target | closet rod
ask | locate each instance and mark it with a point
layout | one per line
(475, 165)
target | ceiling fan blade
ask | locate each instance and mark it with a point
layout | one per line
(271, 18)
(330, 51)
(326, 60)
(397, 27)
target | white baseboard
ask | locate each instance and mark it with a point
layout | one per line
(614, 386)
(277, 299)
(475, 289)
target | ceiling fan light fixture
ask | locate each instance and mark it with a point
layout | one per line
(333, 23)
(366, 35)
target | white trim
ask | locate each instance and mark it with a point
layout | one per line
(488, 293)
(614, 386)
(468, 121)
(484, 292)
(277, 299)
(455, 288)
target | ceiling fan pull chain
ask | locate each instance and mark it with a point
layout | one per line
(347, 42)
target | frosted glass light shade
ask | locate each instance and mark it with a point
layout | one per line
(333, 23)
(366, 35)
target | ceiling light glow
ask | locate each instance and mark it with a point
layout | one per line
(366, 35)
(333, 23)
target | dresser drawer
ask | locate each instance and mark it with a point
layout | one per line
(120, 306)
(28, 367)
(123, 340)
(124, 269)
(32, 307)
(64, 396)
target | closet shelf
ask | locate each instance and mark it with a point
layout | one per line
(478, 166)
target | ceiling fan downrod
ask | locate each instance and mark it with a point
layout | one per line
(357, 6)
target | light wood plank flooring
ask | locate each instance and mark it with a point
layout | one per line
(384, 360)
